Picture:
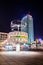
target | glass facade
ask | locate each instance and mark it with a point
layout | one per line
(27, 26)
(24, 25)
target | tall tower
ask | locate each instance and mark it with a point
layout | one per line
(27, 26)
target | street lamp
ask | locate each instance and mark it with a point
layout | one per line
(18, 27)
(18, 45)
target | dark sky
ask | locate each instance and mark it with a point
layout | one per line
(9, 10)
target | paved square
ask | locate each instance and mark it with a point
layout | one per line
(21, 58)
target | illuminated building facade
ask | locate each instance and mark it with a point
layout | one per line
(17, 34)
(18, 37)
(24, 25)
(3, 36)
(27, 26)
(21, 32)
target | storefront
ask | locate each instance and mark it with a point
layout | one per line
(13, 40)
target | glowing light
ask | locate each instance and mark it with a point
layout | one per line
(40, 39)
(26, 45)
(20, 53)
(9, 47)
(19, 36)
(17, 47)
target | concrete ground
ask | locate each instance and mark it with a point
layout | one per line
(21, 58)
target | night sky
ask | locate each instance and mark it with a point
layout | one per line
(10, 10)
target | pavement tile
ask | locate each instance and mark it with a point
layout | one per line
(23, 60)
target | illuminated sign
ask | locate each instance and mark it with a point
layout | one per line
(19, 36)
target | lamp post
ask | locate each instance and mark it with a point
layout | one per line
(18, 45)
(18, 27)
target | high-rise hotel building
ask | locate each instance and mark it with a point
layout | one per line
(27, 26)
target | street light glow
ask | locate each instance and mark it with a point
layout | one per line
(40, 39)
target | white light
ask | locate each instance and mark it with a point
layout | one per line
(9, 47)
(17, 47)
(24, 43)
(40, 39)
(20, 53)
